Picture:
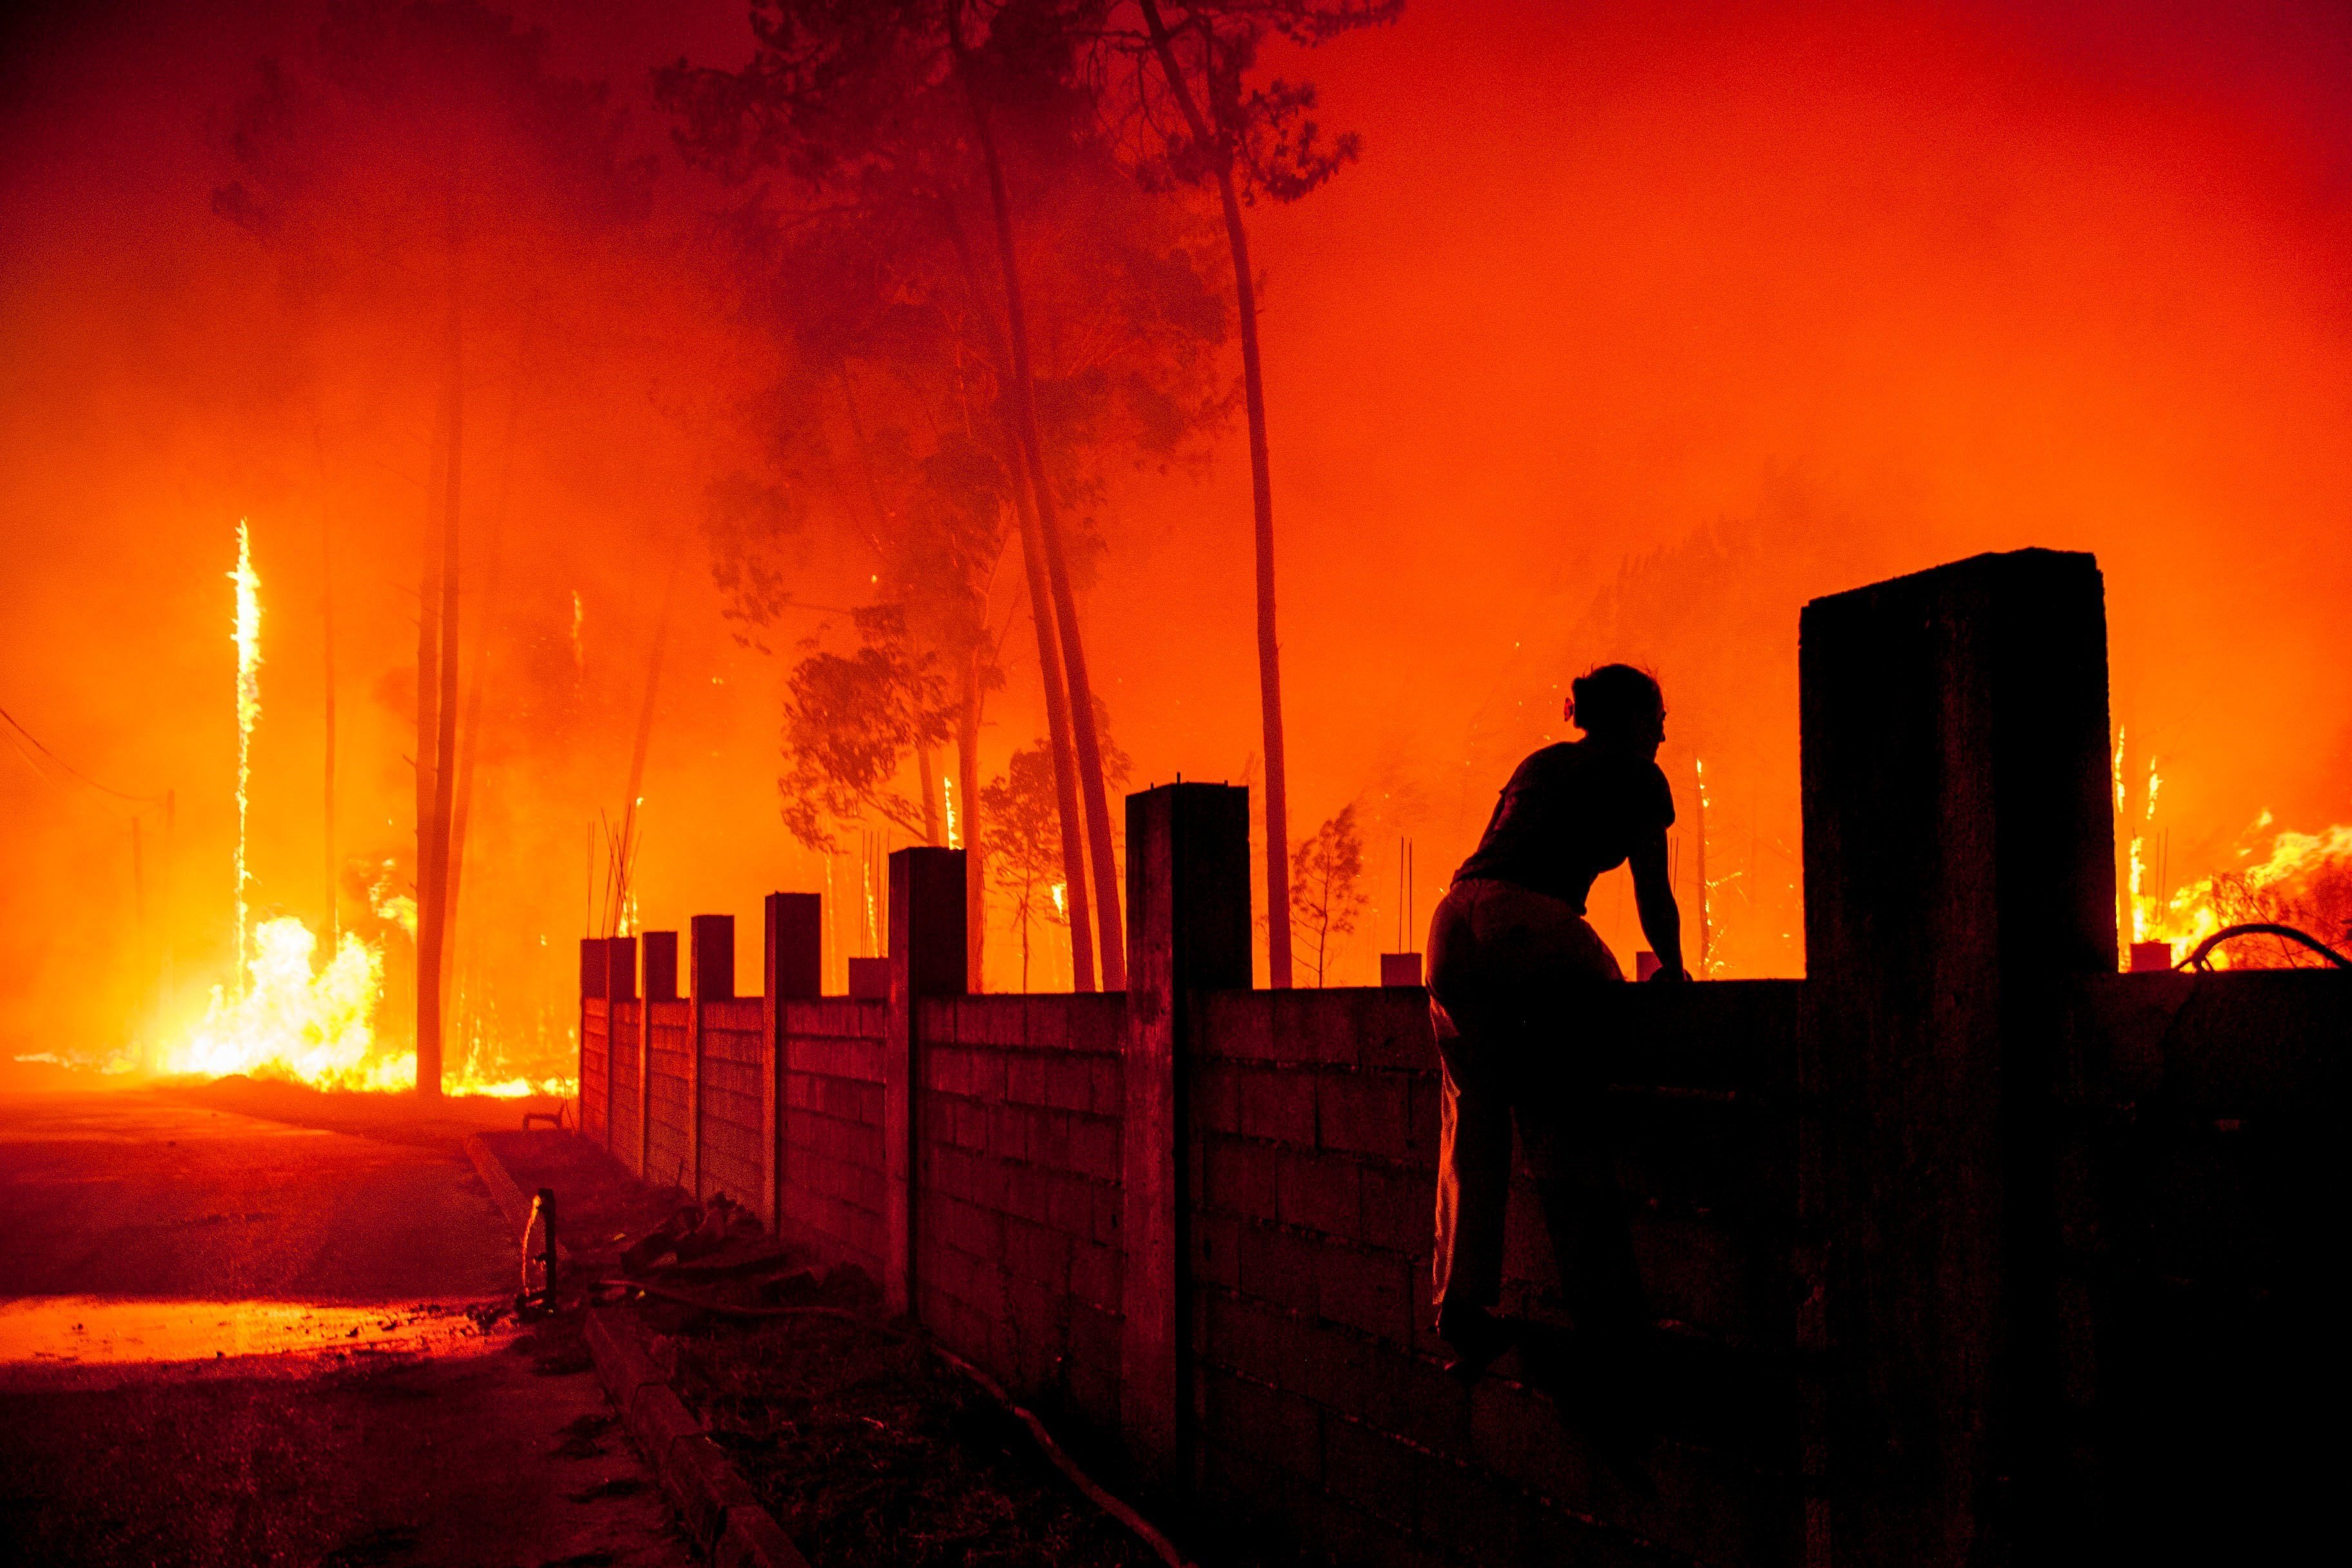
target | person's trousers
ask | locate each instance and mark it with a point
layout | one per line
(1520, 989)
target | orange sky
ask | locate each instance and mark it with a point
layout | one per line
(1633, 328)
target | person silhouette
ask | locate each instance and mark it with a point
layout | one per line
(1519, 988)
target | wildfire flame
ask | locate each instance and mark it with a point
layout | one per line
(292, 1018)
(247, 637)
(2303, 879)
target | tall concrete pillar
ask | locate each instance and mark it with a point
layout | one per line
(710, 977)
(1959, 868)
(657, 951)
(1187, 930)
(793, 970)
(927, 959)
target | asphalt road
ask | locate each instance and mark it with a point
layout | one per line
(230, 1339)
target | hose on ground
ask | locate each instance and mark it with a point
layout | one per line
(1093, 1492)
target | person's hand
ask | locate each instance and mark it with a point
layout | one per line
(1662, 975)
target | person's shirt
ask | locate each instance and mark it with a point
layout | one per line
(1570, 811)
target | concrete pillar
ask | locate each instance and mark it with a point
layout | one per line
(1958, 867)
(1187, 930)
(793, 970)
(927, 959)
(710, 977)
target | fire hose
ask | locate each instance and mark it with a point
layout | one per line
(1093, 1492)
(2202, 959)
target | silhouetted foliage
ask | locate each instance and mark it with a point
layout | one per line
(1327, 893)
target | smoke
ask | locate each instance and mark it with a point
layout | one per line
(1632, 328)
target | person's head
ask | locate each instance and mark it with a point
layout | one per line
(1619, 704)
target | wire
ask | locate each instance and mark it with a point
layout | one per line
(76, 772)
(2201, 957)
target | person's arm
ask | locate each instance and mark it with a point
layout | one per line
(1653, 896)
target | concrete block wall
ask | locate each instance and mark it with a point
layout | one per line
(596, 1069)
(669, 1071)
(734, 1064)
(626, 1136)
(1321, 1401)
(831, 1130)
(1017, 1254)
(1971, 1250)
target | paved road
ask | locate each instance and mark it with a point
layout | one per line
(225, 1340)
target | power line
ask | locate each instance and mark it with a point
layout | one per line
(75, 773)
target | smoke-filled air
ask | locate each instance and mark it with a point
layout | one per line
(475, 477)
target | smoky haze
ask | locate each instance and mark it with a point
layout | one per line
(1631, 329)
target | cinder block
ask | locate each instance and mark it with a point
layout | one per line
(1094, 1274)
(1046, 1024)
(1108, 1204)
(1070, 1205)
(1399, 1210)
(1279, 1266)
(1095, 1022)
(1277, 1104)
(1105, 1086)
(1034, 1253)
(1093, 1147)
(1365, 1113)
(1024, 1078)
(1049, 1138)
(1238, 1178)
(1216, 1250)
(1238, 1025)
(1319, 1192)
(1368, 1291)
(1069, 1083)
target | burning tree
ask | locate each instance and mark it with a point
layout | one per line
(422, 159)
(1204, 123)
(1327, 893)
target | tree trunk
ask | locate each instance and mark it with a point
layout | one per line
(1049, 662)
(929, 786)
(335, 924)
(1065, 605)
(1057, 727)
(470, 736)
(432, 956)
(975, 853)
(428, 734)
(1269, 650)
(620, 904)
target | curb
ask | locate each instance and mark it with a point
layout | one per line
(713, 1500)
(710, 1494)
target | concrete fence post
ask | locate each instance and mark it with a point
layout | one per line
(710, 977)
(927, 959)
(1187, 930)
(791, 970)
(659, 952)
(1959, 868)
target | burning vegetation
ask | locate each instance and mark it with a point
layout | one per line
(688, 452)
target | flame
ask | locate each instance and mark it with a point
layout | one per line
(2303, 880)
(247, 637)
(947, 787)
(300, 1022)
